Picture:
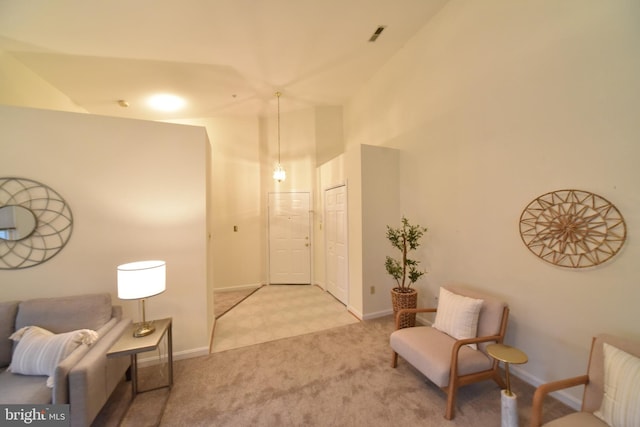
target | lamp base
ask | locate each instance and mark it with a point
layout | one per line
(143, 329)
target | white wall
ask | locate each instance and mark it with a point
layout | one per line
(137, 191)
(329, 133)
(380, 207)
(244, 153)
(237, 256)
(298, 148)
(371, 175)
(21, 87)
(492, 104)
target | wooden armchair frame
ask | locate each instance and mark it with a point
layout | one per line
(543, 390)
(593, 382)
(455, 380)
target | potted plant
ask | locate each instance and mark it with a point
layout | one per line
(405, 270)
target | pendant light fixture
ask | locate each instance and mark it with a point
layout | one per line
(279, 174)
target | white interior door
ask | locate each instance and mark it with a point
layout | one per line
(335, 213)
(289, 238)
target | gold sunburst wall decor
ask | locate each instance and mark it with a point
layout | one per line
(572, 228)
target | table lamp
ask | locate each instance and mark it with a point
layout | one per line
(140, 280)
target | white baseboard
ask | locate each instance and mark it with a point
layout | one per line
(179, 355)
(388, 312)
(355, 312)
(562, 395)
(237, 287)
(377, 314)
(189, 354)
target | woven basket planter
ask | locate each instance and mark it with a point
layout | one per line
(400, 300)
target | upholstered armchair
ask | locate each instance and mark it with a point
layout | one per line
(452, 353)
(611, 387)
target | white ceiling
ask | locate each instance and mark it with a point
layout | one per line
(226, 57)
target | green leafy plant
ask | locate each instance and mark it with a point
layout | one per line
(405, 238)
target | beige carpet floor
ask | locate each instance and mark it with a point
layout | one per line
(278, 311)
(336, 377)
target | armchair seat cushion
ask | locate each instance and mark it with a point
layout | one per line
(18, 389)
(578, 419)
(429, 351)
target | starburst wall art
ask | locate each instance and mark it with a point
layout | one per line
(572, 228)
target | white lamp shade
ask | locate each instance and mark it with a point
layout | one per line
(141, 279)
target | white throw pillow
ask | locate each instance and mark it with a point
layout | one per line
(457, 315)
(39, 351)
(621, 402)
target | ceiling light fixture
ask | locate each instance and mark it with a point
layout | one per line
(279, 174)
(166, 102)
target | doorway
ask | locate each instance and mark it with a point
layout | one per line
(289, 239)
(336, 243)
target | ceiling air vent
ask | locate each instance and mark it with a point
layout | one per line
(376, 33)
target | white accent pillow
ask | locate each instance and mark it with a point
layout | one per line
(621, 402)
(457, 315)
(39, 351)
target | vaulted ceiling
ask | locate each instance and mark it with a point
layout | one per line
(225, 57)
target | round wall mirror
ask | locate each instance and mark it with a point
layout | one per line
(16, 222)
(35, 223)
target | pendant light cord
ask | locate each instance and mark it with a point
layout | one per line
(279, 173)
(278, 96)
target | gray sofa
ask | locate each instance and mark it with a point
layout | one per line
(86, 378)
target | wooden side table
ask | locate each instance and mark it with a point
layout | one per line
(132, 346)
